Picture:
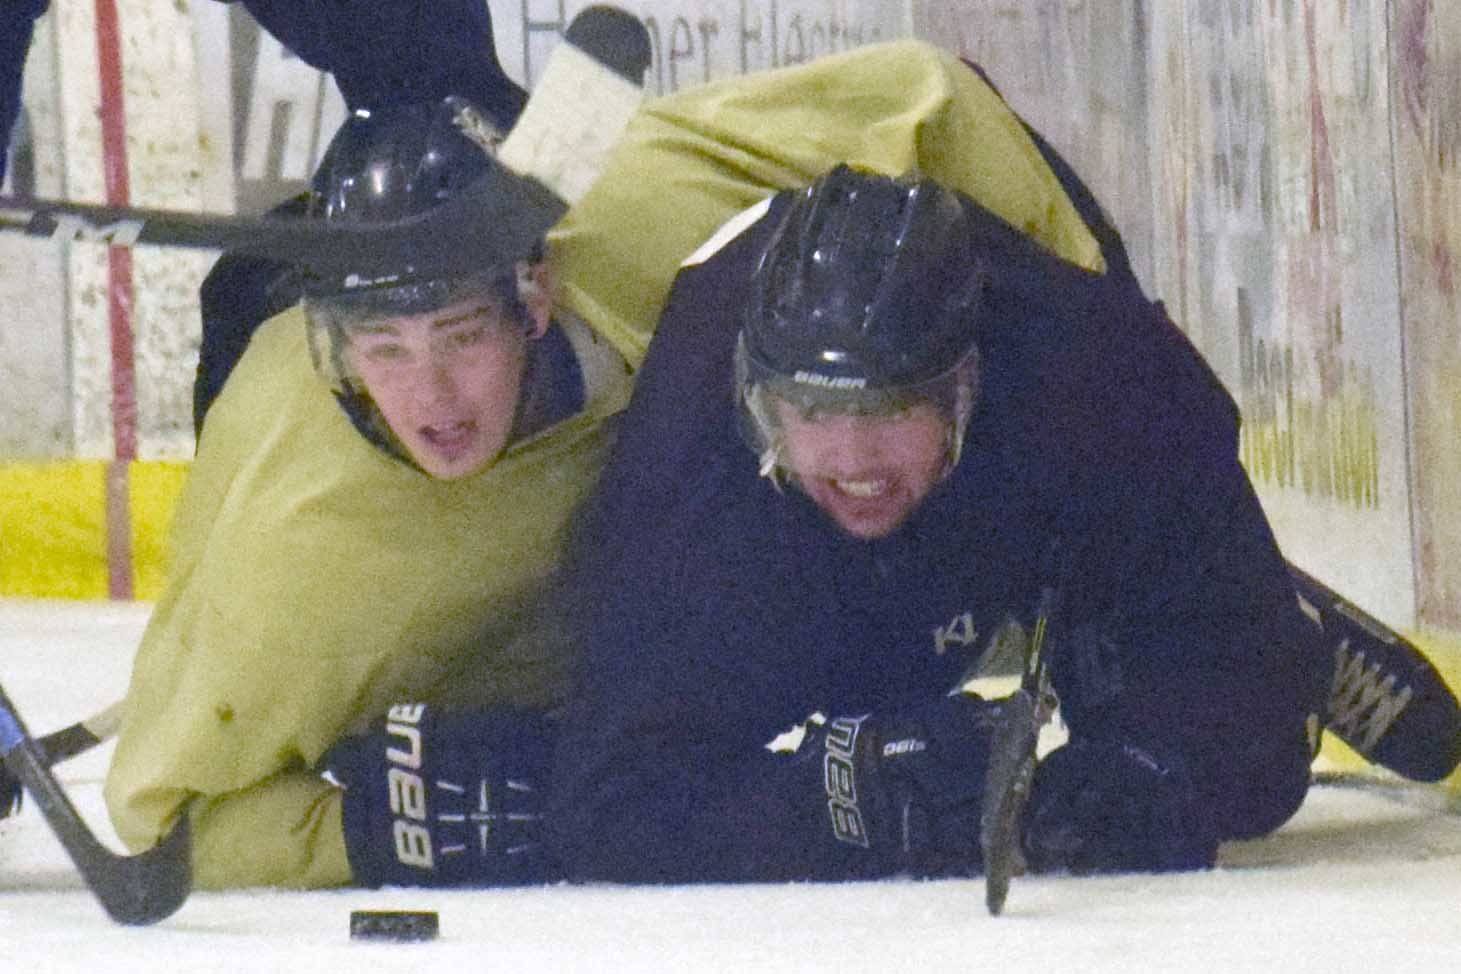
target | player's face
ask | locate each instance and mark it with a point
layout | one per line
(868, 473)
(446, 381)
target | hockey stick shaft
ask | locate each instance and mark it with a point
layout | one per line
(81, 736)
(134, 890)
(1012, 751)
(495, 221)
(122, 226)
(62, 745)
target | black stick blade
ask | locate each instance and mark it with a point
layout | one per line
(134, 890)
(1006, 787)
(143, 889)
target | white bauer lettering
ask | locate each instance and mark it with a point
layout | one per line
(839, 775)
(828, 381)
(406, 790)
(909, 745)
(840, 782)
(408, 794)
(413, 844)
(410, 758)
(406, 713)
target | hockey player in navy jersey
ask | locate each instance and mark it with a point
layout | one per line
(942, 420)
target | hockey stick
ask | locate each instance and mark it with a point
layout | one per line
(61, 745)
(134, 890)
(1012, 760)
(498, 218)
(83, 735)
(590, 87)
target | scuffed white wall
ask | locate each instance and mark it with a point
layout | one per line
(695, 41)
(35, 355)
(56, 351)
(1243, 149)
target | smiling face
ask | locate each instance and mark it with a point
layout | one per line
(447, 382)
(867, 473)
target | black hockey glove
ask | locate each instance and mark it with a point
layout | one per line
(1102, 807)
(445, 799)
(907, 785)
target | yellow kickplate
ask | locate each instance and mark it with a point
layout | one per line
(53, 527)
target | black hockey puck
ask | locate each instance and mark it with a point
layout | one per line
(396, 925)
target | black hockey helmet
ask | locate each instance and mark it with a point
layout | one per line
(865, 300)
(397, 165)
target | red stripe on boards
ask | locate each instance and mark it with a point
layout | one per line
(119, 305)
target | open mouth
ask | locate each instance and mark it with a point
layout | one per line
(864, 506)
(862, 489)
(449, 439)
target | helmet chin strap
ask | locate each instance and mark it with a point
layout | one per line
(771, 467)
(953, 449)
(361, 410)
(966, 393)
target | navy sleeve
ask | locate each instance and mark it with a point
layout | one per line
(17, 24)
(1186, 635)
(661, 779)
(1200, 646)
(385, 52)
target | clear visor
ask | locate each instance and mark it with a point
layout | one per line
(762, 390)
(332, 319)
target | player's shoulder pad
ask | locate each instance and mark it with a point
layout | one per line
(729, 230)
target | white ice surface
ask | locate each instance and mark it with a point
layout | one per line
(1357, 882)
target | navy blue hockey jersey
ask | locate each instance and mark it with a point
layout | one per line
(716, 611)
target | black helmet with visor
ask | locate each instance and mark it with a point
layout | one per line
(385, 166)
(865, 301)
